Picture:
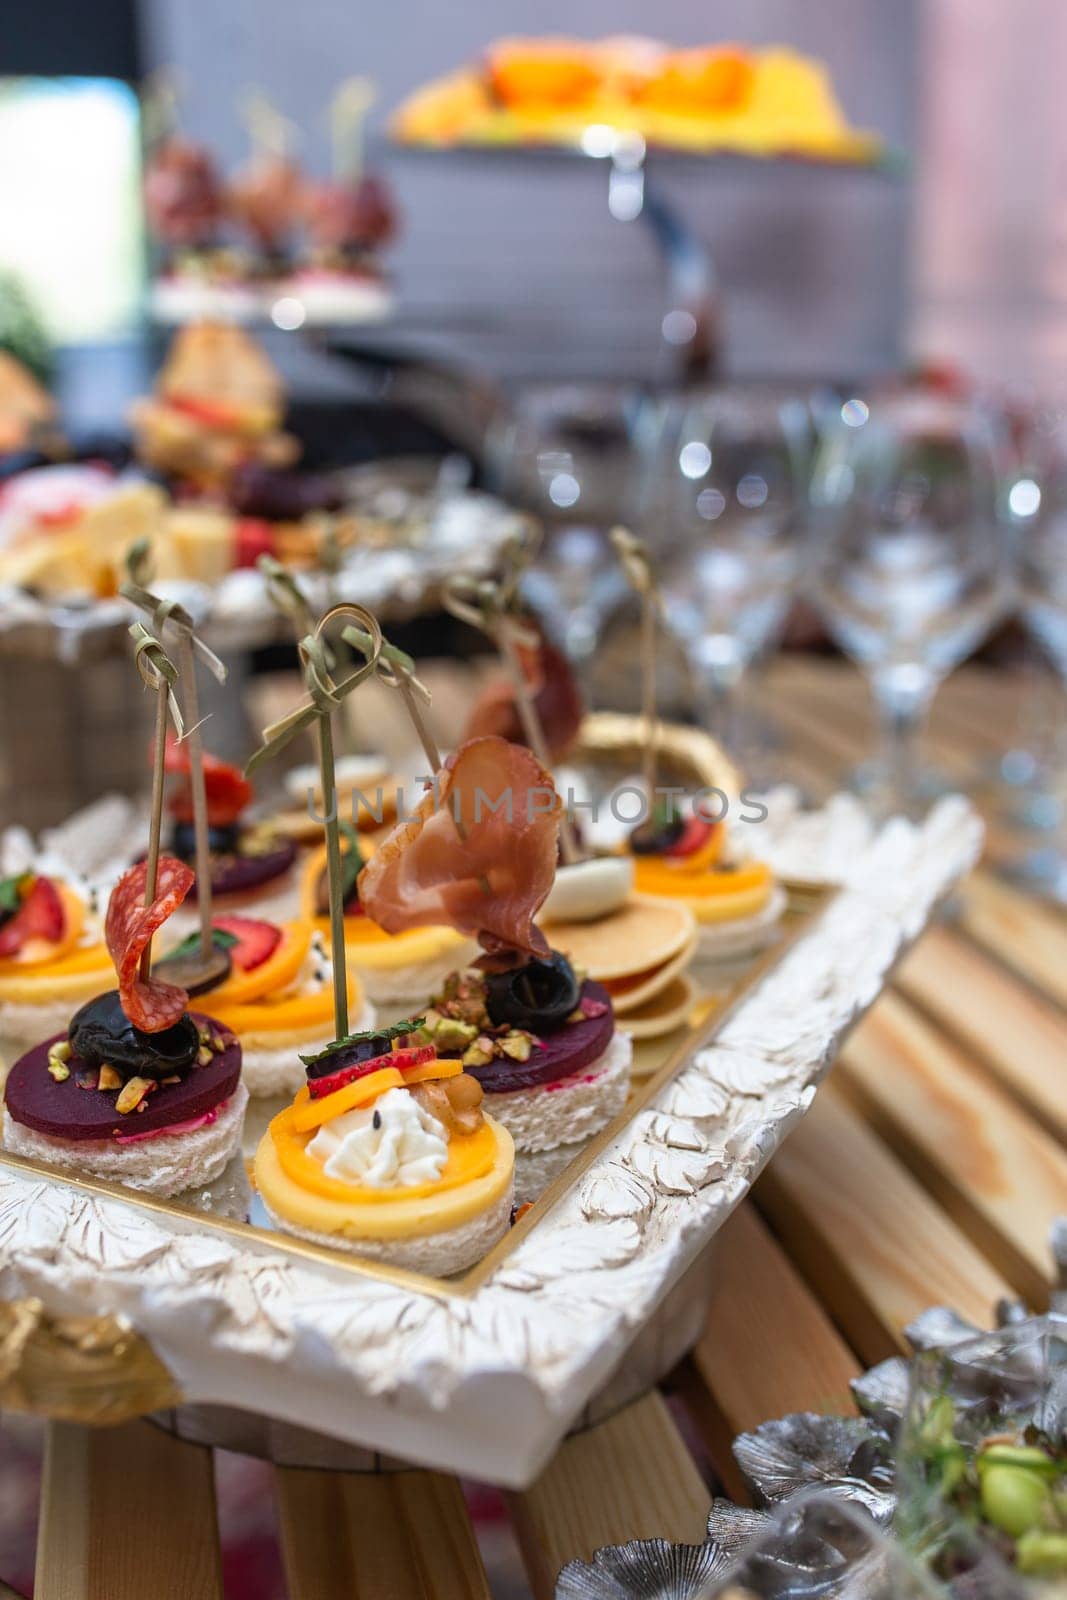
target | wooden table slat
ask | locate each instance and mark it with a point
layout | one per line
(1019, 931)
(126, 1513)
(1019, 1037)
(630, 1477)
(366, 1536)
(742, 1370)
(863, 1230)
(995, 1172)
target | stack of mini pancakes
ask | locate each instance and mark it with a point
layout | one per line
(640, 952)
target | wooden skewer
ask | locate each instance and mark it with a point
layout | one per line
(533, 730)
(328, 779)
(187, 665)
(485, 606)
(156, 819)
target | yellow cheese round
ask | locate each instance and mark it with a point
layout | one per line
(389, 1213)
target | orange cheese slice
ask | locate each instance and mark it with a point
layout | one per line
(470, 1156)
(310, 1113)
(45, 952)
(660, 875)
(391, 1213)
(281, 968)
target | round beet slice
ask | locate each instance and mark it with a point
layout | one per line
(561, 1054)
(242, 874)
(65, 1111)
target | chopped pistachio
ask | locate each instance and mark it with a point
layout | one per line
(217, 1043)
(577, 1015)
(174, 1078)
(58, 1056)
(204, 1056)
(452, 1034)
(478, 1054)
(132, 1094)
(517, 1045)
(204, 1035)
(109, 1078)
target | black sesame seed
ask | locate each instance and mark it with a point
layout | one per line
(377, 1120)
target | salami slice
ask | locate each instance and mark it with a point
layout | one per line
(129, 928)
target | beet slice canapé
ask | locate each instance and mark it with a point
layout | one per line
(560, 1054)
(66, 1111)
(239, 874)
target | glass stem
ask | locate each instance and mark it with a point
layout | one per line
(718, 687)
(902, 695)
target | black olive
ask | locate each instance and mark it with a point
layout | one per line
(352, 1053)
(101, 1031)
(191, 972)
(536, 996)
(221, 841)
(656, 834)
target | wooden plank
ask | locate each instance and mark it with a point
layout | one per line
(993, 1170)
(366, 1536)
(630, 1477)
(860, 1228)
(126, 1513)
(1027, 936)
(742, 1371)
(1020, 1038)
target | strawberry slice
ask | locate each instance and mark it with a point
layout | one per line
(402, 1060)
(693, 837)
(40, 916)
(256, 941)
(252, 538)
(228, 791)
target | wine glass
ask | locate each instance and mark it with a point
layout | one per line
(721, 478)
(1039, 506)
(908, 556)
(563, 453)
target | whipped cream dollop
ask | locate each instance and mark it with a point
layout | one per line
(387, 1145)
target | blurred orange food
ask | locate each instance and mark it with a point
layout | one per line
(701, 82)
(543, 72)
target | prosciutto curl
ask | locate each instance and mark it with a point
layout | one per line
(129, 928)
(556, 700)
(488, 877)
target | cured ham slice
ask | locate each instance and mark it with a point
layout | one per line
(129, 928)
(556, 700)
(227, 790)
(486, 877)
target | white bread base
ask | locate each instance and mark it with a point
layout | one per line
(542, 1120)
(162, 1166)
(436, 1254)
(27, 1025)
(281, 1072)
(721, 941)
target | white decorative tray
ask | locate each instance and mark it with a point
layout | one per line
(592, 1300)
